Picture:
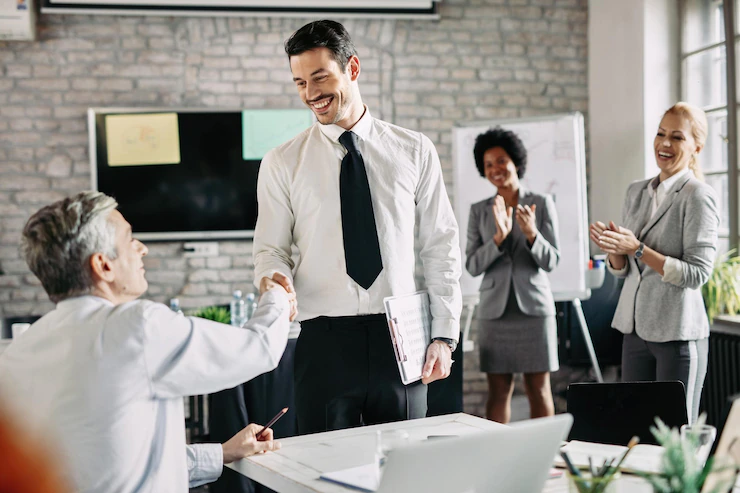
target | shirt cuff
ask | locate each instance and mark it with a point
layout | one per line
(446, 327)
(617, 272)
(205, 463)
(672, 271)
(277, 297)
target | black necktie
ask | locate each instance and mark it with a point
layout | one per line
(361, 245)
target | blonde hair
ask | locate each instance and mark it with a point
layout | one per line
(699, 129)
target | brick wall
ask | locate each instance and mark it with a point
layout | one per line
(485, 59)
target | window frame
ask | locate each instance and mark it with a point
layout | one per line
(728, 232)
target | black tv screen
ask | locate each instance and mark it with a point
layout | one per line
(186, 174)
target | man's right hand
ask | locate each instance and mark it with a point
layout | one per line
(279, 280)
(246, 443)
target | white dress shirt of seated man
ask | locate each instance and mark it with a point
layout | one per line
(98, 360)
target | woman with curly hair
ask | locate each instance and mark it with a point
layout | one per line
(513, 242)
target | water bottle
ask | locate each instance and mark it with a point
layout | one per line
(251, 305)
(175, 305)
(238, 310)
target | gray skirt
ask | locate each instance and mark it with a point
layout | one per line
(517, 342)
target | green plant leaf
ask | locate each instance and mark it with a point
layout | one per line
(215, 313)
(721, 292)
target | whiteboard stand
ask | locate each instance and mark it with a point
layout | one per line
(470, 302)
(587, 339)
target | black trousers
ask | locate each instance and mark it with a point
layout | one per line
(255, 401)
(346, 375)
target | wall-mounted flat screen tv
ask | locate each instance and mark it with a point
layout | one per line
(182, 174)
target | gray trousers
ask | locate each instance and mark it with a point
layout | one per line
(674, 360)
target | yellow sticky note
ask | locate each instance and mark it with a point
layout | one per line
(141, 139)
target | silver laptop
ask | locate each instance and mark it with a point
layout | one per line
(514, 459)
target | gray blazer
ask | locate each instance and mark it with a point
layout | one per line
(516, 261)
(684, 227)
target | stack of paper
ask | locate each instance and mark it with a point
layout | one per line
(642, 458)
(363, 478)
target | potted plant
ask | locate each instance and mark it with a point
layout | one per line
(215, 313)
(682, 470)
(722, 291)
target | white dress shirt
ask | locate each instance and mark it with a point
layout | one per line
(299, 203)
(672, 271)
(104, 383)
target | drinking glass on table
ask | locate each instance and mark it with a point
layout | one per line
(388, 440)
(702, 436)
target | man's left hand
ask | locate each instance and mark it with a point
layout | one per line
(438, 362)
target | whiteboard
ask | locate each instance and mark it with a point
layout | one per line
(556, 165)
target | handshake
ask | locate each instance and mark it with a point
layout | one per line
(280, 281)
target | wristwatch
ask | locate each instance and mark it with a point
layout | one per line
(638, 253)
(451, 343)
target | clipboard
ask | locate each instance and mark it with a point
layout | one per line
(410, 326)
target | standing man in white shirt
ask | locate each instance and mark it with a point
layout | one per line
(349, 193)
(102, 376)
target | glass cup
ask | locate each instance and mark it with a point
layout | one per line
(388, 440)
(585, 483)
(703, 438)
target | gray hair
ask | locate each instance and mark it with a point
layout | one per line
(60, 238)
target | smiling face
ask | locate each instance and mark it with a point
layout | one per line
(128, 281)
(674, 145)
(499, 169)
(329, 91)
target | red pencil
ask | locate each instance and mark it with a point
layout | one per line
(272, 421)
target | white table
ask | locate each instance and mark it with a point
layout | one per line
(297, 466)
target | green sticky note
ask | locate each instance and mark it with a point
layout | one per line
(263, 130)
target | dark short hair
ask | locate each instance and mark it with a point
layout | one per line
(505, 139)
(322, 34)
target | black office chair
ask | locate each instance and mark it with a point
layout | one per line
(615, 412)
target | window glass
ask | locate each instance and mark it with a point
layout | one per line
(703, 24)
(714, 155)
(704, 78)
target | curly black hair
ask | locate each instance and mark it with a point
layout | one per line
(505, 139)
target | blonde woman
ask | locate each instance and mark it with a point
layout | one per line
(665, 248)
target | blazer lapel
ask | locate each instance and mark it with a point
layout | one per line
(644, 210)
(665, 205)
(490, 222)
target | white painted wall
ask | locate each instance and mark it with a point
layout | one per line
(633, 78)
(662, 69)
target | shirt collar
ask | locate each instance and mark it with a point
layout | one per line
(667, 183)
(361, 128)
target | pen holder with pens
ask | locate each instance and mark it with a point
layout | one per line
(586, 483)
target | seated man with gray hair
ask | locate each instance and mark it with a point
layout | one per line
(102, 376)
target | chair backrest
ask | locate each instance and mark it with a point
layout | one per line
(615, 412)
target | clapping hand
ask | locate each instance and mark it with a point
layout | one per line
(615, 239)
(525, 218)
(595, 231)
(502, 215)
(279, 280)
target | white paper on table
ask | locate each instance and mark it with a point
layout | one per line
(364, 478)
(642, 457)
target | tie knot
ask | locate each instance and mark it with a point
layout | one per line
(349, 141)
